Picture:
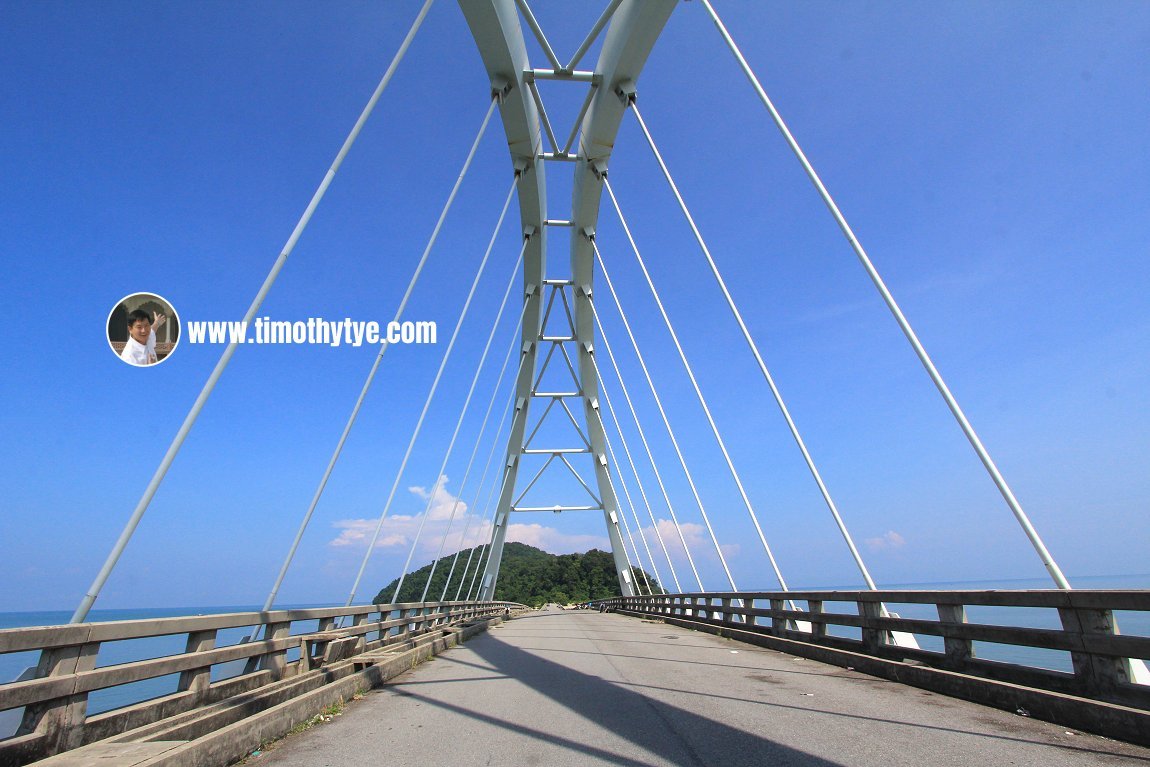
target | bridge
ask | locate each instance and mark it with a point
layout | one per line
(668, 671)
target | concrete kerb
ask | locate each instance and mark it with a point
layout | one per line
(1109, 720)
(240, 739)
(232, 742)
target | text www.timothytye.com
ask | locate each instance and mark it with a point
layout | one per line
(345, 332)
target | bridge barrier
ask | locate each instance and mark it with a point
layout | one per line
(1098, 695)
(282, 646)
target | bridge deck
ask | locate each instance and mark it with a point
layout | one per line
(582, 688)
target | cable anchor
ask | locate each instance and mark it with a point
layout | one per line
(500, 87)
(625, 90)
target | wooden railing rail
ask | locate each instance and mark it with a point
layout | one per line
(55, 698)
(1100, 656)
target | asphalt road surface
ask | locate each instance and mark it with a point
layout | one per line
(584, 688)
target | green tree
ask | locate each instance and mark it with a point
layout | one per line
(527, 575)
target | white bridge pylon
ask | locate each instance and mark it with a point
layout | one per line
(632, 31)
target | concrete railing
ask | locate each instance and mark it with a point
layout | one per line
(1100, 667)
(276, 646)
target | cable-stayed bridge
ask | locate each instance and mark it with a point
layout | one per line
(577, 423)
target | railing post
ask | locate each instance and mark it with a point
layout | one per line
(749, 619)
(778, 623)
(872, 637)
(384, 615)
(361, 644)
(958, 650)
(198, 680)
(1098, 674)
(818, 628)
(61, 720)
(276, 660)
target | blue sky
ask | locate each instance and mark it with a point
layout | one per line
(991, 157)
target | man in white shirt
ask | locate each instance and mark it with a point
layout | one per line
(141, 346)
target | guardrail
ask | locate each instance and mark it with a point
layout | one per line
(279, 645)
(1101, 665)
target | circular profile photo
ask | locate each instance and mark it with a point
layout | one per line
(143, 329)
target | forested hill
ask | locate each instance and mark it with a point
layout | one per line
(527, 575)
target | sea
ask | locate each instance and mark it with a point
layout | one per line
(12, 665)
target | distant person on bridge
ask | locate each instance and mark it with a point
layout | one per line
(141, 346)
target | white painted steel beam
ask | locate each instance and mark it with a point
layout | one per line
(495, 26)
(634, 27)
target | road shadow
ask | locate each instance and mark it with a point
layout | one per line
(668, 734)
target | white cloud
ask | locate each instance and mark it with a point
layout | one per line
(357, 532)
(443, 503)
(399, 530)
(888, 540)
(692, 534)
(551, 540)
(698, 542)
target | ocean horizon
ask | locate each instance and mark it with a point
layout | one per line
(54, 617)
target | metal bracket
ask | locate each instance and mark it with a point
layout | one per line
(625, 90)
(500, 87)
(559, 156)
